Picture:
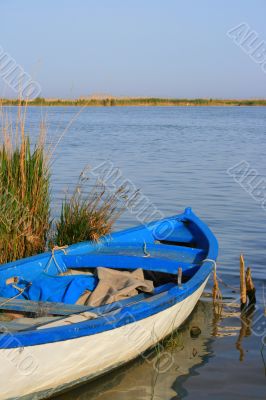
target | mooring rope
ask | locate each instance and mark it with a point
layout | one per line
(52, 258)
(21, 291)
(216, 292)
(145, 251)
(211, 261)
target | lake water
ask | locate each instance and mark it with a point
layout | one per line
(179, 157)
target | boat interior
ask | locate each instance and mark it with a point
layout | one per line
(90, 281)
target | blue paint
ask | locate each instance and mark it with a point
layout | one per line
(125, 262)
(186, 228)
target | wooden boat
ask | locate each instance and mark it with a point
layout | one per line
(51, 346)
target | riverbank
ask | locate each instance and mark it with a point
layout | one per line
(138, 101)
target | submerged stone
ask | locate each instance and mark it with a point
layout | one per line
(195, 331)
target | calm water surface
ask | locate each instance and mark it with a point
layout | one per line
(180, 157)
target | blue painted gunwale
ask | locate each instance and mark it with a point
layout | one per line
(198, 232)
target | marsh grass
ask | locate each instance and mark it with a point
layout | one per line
(25, 204)
(88, 215)
(24, 190)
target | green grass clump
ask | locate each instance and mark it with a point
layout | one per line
(24, 194)
(88, 216)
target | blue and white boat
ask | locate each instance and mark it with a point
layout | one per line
(50, 342)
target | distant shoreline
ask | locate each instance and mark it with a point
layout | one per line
(137, 102)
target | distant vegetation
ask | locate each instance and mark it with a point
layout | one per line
(138, 101)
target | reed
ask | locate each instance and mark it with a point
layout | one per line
(243, 288)
(88, 215)
(24, 191)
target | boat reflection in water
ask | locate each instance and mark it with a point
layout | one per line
(223, 357)
(161, 373)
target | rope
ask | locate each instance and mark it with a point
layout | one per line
(216, 292)
(218, 277)
(212, 261)
(227, 285)
(52, 258)
(147, 254)
(21, 291)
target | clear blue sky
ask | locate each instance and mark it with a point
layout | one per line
(134, 47)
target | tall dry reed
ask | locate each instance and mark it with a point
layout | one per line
(24, 190)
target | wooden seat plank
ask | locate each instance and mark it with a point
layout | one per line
(125, 262)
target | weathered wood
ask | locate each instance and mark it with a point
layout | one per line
(40, 307)
(62, 309)
(179, 276)
(14, 326)
(216, 292)
(243, 289)
(251, 290)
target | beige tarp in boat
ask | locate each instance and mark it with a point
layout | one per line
(116, 285)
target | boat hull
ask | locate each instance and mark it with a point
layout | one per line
(39, 371)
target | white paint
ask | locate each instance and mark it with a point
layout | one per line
(59, 364)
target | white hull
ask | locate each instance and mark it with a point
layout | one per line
(40, 371)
